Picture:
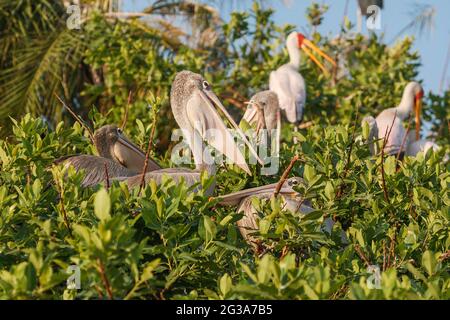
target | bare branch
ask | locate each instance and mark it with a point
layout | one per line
(285, 174)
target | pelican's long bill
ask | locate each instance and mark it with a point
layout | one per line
(306, 45)
(130, 155)
(418, 109)
(212, 100)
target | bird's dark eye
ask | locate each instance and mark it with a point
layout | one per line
(293, 182)
(205, 84)
(119, 131)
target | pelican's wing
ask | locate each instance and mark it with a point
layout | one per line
(386, 123)
(94, 168)
(190, 177)
(208, 124)
(289, 85)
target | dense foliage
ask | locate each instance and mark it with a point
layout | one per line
(169, 243)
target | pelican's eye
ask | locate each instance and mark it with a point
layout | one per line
(293, 182)
(119, 131)
(205, 84)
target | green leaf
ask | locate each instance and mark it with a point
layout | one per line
(225, 284)
(429, 262)
(102, 205)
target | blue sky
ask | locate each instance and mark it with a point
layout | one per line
(396, 14)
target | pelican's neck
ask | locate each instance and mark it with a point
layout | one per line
(294, 54)
(203, 159)
(406, 106)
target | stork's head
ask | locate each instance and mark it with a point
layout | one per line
(298, 40)
(414, 90)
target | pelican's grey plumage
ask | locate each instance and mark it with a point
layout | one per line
(121, 157)
(263, 112)
(292, 201)
(249, 222)
(192, 102)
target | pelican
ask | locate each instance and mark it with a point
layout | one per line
(389, 123)
(120, 156)
(263, 112)
(288, 83)
(292, 201)
(193, 105)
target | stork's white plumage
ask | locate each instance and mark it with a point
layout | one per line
(288, 83)
(422, 145)
(389, 122)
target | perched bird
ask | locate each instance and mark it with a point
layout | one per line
(194, 108)
(389, 123)
(117, 157)
(264, 113)
(288, 83)
(292, 201)
(422, 145)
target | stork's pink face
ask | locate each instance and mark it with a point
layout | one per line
(300, 38)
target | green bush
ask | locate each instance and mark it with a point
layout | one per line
(171, 243)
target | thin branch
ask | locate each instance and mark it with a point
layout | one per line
(125, 117)
(147, 156)
(391, 251)
(444, 256)
(362, 255)
(78, 119)
(404, 139)
(101, 269)
(63, 208)
(350, 149)
(306, 125)
(106, 176)
(383, 177)
(285, 174)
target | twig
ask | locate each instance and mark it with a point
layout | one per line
(391, 251)
(350, 149)
(285, 174)
(384, 255)
(99, 292)
(101, 269)
(383, 178)
(125, 117)
(147, 156)
(362, 255)
(63, 208)
(445, 256)
(404, 139)
(78, 119)
(306, 125)
(106, 176)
